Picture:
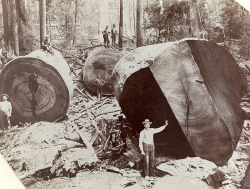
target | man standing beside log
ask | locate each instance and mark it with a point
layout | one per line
(147, 147)
(5, 111)
(99, 82)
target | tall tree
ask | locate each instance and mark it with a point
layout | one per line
(42, 13)
(14, 26)
(5, 21)
(21, 16)
(138, 24)
(121, 25)
(75, 25)
(195, 23)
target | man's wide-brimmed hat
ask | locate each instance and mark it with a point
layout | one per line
(5, 95)
(146, 121)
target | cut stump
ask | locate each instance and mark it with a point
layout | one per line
(101, 63)
(39, 86)
(194, 84)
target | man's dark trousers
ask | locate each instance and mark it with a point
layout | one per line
(149, 150)
(106, 40)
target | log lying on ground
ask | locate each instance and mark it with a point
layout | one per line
(196, 85)
(101, 63)
(39, 86)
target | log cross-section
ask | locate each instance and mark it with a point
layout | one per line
(39, 86)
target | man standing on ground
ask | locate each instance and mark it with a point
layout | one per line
(113, 34)
(106, 33)
(99, 82)
(5, 111)
(146, 144)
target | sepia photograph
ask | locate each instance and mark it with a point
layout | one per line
(125, 94)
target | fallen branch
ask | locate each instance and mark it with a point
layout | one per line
(81, 92)
(87, 93)
(107, 113)
(107, 141)
(87, 143)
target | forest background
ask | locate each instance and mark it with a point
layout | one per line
(77, 24)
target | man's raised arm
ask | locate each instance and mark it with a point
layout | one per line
(157, 130)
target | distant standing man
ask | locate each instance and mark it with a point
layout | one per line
(99, 82)
(147, 147)
(5, 111)
(106, 33)
(47, 45)
(113, 34)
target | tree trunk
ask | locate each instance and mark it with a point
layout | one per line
(5, 22)
(42, 13)
(76, 7)
(138, 24)
(195, 24)
(121, 25)
(14, 26)
(48, 25)
(21, 16)
(134, 16)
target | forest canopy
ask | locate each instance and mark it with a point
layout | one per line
(75, 23)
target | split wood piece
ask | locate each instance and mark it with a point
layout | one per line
(87, 93)
(107, 113)
(94, 106)
(81, 92)
(87, 143)
(97, 133)
(105, 146)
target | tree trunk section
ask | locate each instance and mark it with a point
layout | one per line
(75, 26)
(5, 22)
(121, 25)
(138, 24)
(195, 24)
(101, 63)
(14, 26)
(194, 84)
(39, 86)
(42, 14)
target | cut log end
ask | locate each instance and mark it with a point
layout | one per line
(205, 118)
(38, 90)
(101, 63)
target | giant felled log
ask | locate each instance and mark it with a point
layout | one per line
(39, 86)
(101, 63)
(196, 85)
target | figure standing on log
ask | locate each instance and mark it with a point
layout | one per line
(99, 82)
(113, 34)
(106, 33)
(147, 147)
(47, 45)
(4, 58)
(5, 111)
